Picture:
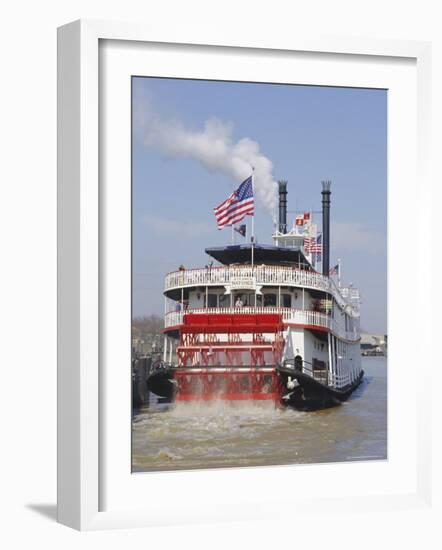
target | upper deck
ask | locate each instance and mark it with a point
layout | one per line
(238, 277)
(292, 256)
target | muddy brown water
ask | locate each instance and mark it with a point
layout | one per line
(232, 434)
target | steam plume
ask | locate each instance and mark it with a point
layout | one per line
(213, 147)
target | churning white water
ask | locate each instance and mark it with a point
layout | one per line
(228, 434)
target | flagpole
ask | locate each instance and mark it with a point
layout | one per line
(339, 272)
(253, 223)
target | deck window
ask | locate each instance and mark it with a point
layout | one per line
(249, 299)
(224, 300)
(212, 300)
(269, 300)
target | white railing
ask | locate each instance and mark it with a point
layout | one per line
(351, 294)
(330, 378)
(326, 377)
(260, 275)
(289, 316)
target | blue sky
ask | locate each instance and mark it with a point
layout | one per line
(309, 133)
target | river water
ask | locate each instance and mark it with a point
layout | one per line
(221, 435)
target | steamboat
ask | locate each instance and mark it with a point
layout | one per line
(261, 322)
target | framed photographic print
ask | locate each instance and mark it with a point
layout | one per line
(227, 320)
(261, 328)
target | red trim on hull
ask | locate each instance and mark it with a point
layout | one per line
(308, 327)
(175, 328)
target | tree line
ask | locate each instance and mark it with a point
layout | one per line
(151, 324)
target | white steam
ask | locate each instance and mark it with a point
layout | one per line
(213, 147)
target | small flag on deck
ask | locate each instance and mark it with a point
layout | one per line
(308, 243)
(317, 245)
(237, 206)
(334, 270)
(299, 220)
(241, 229)
(317, 248)
(313, 244)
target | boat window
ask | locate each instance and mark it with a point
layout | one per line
(286, 300)
(269, 300)
(249, 299)
(224, 300)
(212, 300)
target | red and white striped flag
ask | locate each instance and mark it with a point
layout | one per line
(313, 244)
(237, 206)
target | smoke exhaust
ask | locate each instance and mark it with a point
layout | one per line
(326, 227)
(212, 145)
(282, 186)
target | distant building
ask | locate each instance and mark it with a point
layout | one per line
(149, 343)
(373, 344)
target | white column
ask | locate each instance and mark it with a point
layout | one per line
(165, 349)
(338, 362)
(330, 361)
(342, 366)
(339, 365)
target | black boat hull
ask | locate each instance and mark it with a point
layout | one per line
(161, 383)
(310, 394)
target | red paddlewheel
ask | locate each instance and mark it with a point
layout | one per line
(229, 386)
(211, 341)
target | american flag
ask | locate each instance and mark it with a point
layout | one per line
(308, 243)
(238, 204)
(334, 270)
(313, 244)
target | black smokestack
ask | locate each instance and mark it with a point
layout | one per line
(326, 227)
(282, 184)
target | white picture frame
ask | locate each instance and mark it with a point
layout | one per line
(80, 395)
